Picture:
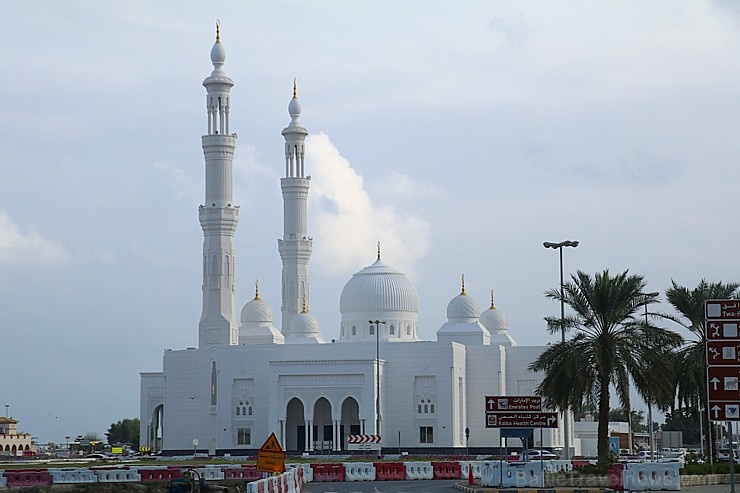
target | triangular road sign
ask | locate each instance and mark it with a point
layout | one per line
(271, 444)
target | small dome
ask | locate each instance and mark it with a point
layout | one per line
(463, 306)
(493, 320)
(257, 311)
(304, 325)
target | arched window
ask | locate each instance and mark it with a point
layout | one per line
(372, 330)
(408, 330)
(354, 330)
(431, 408)
(392, 329)
(419, 410)
(237, 410)
(426, 408)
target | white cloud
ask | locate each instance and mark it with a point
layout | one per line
(20, 248)
(348, 223)
(180, 181)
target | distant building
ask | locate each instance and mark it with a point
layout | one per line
(247, 380)
(11, 442)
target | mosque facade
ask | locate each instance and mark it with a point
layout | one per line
(248, 378)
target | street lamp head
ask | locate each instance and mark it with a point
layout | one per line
(555, 246)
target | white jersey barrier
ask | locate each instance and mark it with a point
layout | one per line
(519, 474)
(477, 466)
(118, 475)
(307, 473)
(651, 476)
(72, 475)
(284, 483)
(554, 465)
(211, 473)
(359, 471)
(419, 470)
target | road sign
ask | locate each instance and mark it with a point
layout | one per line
(723, 359)
(521, 420)
(363, 442)
(508, 403)
(723, 353)
(722, 309)
(271, 457)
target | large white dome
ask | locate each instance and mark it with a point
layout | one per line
(378, 288)
(379, 292)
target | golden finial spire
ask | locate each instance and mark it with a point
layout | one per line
(295, 89)
(463, 285)
(378, 249)
(218, 31)
(305, 307)
(256, 289)
(493, 307)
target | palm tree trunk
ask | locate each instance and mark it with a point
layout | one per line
(603, 427)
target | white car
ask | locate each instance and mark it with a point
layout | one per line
(540, 454)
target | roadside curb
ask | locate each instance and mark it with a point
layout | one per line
(480, 489)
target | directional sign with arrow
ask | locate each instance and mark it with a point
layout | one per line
(521, 420)
(723, 359)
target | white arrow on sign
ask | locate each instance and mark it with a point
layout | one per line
(715, 382)
(551, 419)
(716, 410)
(491, 402)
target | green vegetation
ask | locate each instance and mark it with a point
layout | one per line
(611, 344)
(124, 432)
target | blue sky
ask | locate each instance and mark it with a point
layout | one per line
(461, 136)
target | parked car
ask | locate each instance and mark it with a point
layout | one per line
(539, 454)
(724, 454)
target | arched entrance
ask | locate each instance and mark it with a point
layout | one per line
(350, 423)
(323, 430)
(295, 427)
(154, 435)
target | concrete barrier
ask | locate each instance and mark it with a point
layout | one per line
(72, 475)
(359, 471)
(419, 470)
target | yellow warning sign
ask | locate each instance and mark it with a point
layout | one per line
(271, 444)
(271, 457)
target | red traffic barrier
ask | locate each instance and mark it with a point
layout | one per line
(390, 471)
(446, 470)
(248, 473)
(578, 463)
(328, 472)
(28, 477)
(615, 477)
(154, 475)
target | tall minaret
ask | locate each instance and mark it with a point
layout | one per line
(218, 217)
(295, 247)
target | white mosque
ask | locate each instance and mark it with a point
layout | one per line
(247, 380)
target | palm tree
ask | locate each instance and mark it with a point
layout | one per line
(611, 346)
(691, 363)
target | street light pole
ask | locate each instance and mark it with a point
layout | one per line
(7, 407)
(650, 400)
(378, 417)
(566, 411)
